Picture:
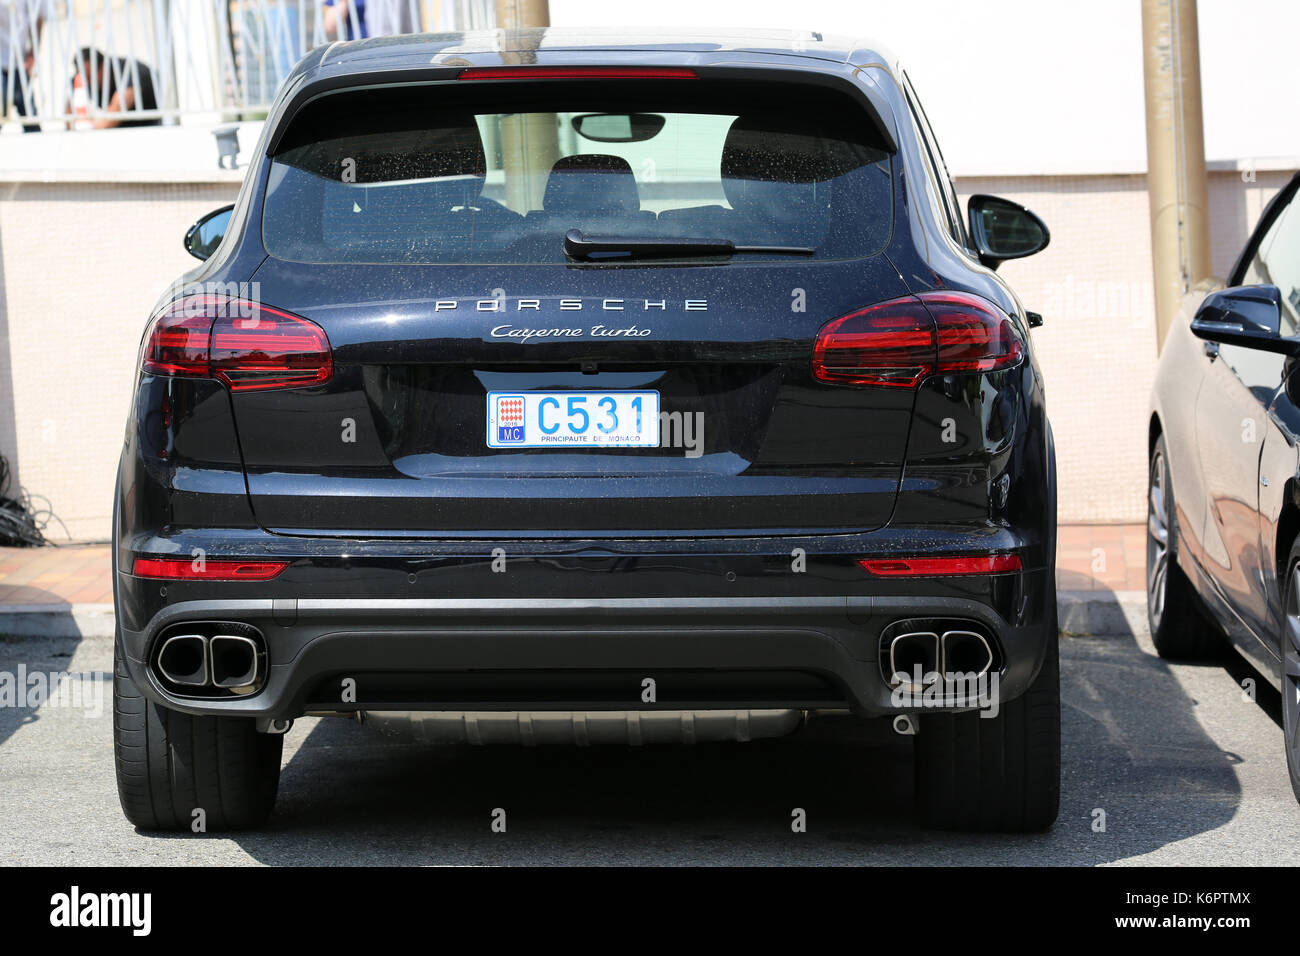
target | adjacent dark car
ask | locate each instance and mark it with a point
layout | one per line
(1223, 552)
(542, 387)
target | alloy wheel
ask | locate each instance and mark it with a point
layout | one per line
(1291, 672)
(1157, 540)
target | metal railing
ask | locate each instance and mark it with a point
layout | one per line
(105, 62)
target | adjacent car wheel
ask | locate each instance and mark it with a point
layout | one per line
(998, 773)
(178, 772)
(1291, 669)
(1179, 628)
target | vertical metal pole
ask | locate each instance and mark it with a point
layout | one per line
(513, 14)
(529, 141)
(1176, 180)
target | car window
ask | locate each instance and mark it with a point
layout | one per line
(414, 176)
(1277, 262)
(939, 168)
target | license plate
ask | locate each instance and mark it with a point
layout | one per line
(572, 419)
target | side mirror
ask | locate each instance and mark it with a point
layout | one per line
(206, 234)
(1246, 315)
(1004, 230)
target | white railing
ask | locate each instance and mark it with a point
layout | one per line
(219, 58)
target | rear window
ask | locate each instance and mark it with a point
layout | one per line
(441, 174)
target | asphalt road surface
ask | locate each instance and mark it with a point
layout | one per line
(1184, 767)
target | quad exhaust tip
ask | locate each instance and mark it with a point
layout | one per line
(965, 652)
(916, 649)
(234, 660)
(183, 660)
(223, 662)
(951, 652)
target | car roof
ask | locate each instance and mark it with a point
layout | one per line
(554, 46)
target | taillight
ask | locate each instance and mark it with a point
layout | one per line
(974, 334)
(187, 569)
(244, 344)
(927, 567)
(887, 344)
(178, 344)
(903, 341)
(577, 73)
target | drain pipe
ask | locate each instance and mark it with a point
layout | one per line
(1176, 180)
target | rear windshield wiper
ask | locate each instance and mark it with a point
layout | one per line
(579, 246)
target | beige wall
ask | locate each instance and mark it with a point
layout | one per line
(1097, 344)
(82, 263)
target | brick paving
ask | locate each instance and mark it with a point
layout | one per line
(70, 574)
(1101, 557)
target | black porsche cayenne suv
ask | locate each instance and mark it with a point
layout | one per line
(542, 388)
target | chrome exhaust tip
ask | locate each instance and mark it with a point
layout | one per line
(966, 653)
(183, 660)
(211, 659)
(907, 652)
(235, 661)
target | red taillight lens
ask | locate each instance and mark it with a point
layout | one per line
(577, 73)
(887, 344)
(193, 569)
(903, 341)
(925, 567)
(974, 334)
(246, 345)
(271, 349)
(178, 344)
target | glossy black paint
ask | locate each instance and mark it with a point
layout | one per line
(1227, 400)
(393, 551)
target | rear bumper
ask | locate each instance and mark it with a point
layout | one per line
(588, 653)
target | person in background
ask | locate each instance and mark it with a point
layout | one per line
(390, 17)
(116, 85)
(338, 20)
(21, 22)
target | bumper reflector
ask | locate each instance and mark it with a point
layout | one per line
(195, 569)
(926, 567)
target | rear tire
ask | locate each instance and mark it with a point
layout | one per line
(170, 764)
(1291, 668)
(999, 773)
(1179, 626)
